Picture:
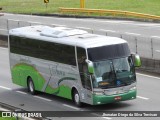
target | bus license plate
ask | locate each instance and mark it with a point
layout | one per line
(117, 98)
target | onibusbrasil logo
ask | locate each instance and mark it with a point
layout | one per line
(21, 114)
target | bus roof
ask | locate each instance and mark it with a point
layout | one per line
(64, 35)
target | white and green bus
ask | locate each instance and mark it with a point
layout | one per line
(73, 64)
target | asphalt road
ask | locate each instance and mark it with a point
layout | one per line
(121, 26)
(147, 100)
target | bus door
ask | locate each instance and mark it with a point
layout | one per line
(86, 91)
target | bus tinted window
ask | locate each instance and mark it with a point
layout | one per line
(42, 49)
(108, 52)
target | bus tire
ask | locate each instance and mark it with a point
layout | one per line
(31, 87)
(76, 98)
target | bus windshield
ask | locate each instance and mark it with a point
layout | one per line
(113, 73)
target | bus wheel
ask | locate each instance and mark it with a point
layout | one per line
(31, 87)
(76, 98)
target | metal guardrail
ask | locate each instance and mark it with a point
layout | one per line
(113, 12)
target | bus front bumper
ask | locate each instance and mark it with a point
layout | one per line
(104, 99)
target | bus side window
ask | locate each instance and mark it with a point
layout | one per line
(83, 69)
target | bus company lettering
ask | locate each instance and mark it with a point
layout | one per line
(58, 72)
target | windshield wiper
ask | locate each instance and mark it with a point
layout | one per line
(113, 71)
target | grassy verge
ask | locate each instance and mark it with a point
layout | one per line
(38, 6)
(7, 118)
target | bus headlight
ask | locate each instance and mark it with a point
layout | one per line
(98, 92)
(133, 88)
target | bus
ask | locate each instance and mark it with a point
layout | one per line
(72, 63)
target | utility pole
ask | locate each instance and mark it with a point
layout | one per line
(82, 3)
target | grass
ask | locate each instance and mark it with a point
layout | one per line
(38, 6)
(7, 118)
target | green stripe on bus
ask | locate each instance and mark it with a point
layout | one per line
(61, 90)
(21, 71)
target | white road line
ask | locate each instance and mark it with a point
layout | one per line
(34, 22)
(42, 98)
(3, 109)
(147, 76)
(13, 20)
(132, 33)
(3, 29)
(3, 48)
(71, 106)
(147, 25)
(157, 50)
(83, 28)
(21, 92)
(58, 25)
(108, 118)
(107, 30)
(5, 88)
(144, 98)
(155, 37)
(102, 21)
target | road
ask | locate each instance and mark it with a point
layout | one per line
(147, 100)
(121, 26)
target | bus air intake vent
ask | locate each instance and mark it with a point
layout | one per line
(87, 36)
(58, 32)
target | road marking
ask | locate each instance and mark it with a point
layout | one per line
(3, 109)
(155, 36)
(3, 48)
(14, 20)
(21, 92)
(107, 30)
(157, 50)
(108, 118)
(42, 98)
(31, 22)
(147, 76)
(142, 97)
(102, 21)
(84, 28)
(4, 29)
(5, 88)
(71, 106)
(132, 33)
(147, 25)
(58, 25)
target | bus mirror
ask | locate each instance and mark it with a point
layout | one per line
(90, 66)
(137, 60)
